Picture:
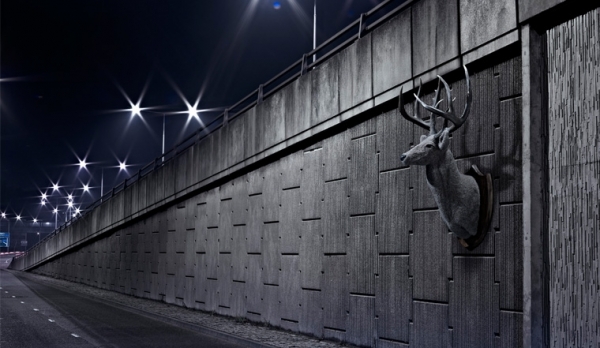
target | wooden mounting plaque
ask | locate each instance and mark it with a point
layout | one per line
(486, 206)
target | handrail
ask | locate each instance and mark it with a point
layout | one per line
(180, 147)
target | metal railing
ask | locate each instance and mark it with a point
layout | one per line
(360, 26)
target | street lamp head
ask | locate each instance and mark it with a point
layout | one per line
(18, 217)
(34, 220)
(70, 197)
(55, 211)
(136, 110)
(122, 165)
(70, 204)
(77, 211)
(44, 196)
(43, 202)
(4, 215)
(86, 188)
(82, 163)
(192, 111)
(54, 187)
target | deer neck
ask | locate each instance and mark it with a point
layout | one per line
(443, 175)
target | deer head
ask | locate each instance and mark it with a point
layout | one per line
(432, 147)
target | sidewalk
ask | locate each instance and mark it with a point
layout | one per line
(224, 327)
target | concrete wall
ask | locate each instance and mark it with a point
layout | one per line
(574, 181)
(339, 239)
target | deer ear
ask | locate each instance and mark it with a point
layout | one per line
(423, 137)
(444, 140)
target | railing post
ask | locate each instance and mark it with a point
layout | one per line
(260, 94)
(225, 116)
(361, 26)
(304, 65)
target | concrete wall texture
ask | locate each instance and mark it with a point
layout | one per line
(300, 214)
(574, 163)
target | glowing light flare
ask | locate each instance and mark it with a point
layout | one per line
(4, 215)
(70, 197)
(82, 164)
(122, 165)
(18, 217)
(276, 5)
(70, 204)
(54, 187)
(55, 211)
(44, 196)
(43, 202)
(86, 188)
(34, 220)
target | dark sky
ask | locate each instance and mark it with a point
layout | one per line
(67, 65)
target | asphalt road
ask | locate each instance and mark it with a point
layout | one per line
(37, 315)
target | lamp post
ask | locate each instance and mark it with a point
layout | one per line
(8, 231)
(315, 29)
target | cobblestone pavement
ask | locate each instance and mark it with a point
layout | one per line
(266, 335)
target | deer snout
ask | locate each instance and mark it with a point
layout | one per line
(402, 157)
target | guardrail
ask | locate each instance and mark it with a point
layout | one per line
(360, 26)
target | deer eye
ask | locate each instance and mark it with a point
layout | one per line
(429, 146)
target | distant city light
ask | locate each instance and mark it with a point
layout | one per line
(44, 196)
(55, 187)
(70, 204)
(77, 211)
(70, 197)
(34, 220)
(43, 202)
(18, 217)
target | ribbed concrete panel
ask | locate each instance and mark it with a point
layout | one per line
(255, 224)
(225, 226)
(212, 295)
(271, 305)
(224, 283)
(271, 257)
(509, 78)
(169, 178)
(289, 296)
(434, 33)
(312, 185)
(363, 176)
(240, 201)
(361, 320)
(190, 252)
(430, 325)
(368, 127)
(200, 279)
(311, 255)
(391, 58)
(212, 252)
(394, 217)
(254, 285)
(393, 300)
(394, 135)
(290, 223)
(481, 22)
(291, 170)
(355, 73)
(325, 100)
(238, 252)
(297, 105)
(181, 170)
(362, 252)
(200, 229)
(180, 231)
(509, 257)
(335, 289)
(511, 332)
(474, 312)
(431, 257)
(238, 299)
(271, 193)
(335, 217)
(213, 202)
(311, 313)
(335, 156)
(509, 154)
(574, 181)
(476, 136)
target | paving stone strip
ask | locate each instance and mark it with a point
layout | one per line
(266, 335)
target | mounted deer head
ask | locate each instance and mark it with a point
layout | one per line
(457, 195)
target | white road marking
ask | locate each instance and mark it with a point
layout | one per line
(74, 335)
(51, 320)
(35, 309)
(22, 302)
(13, 296)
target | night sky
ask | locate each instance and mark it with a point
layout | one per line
(68, 67)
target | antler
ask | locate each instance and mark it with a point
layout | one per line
(429, 125)
(450, 115)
